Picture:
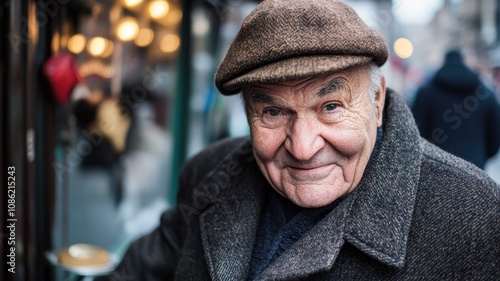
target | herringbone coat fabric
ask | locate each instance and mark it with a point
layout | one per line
(419, 213)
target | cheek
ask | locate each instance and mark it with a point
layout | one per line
(347, 140)
(266, 141)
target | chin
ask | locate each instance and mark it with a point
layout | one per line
(313, 199)
(315, 204)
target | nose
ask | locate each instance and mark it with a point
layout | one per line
(304, 138)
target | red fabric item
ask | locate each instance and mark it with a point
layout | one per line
(62, 73)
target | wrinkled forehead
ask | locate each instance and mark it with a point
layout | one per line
(347, 81)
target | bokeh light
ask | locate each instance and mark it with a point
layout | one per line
(76, 43)
(158, 9)
(201, 25)
(127, 29)
(100, 47)
(174, 16)
(97, 46)
(403, 48)
(110, 47)
(144, 37)
(170, 43)
(132, 3)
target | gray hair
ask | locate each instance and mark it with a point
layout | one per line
(375, 80)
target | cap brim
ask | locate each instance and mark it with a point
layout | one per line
(293, 69)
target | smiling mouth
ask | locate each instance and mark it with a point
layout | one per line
(310, 173)
(306, 168)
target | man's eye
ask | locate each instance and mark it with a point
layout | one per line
(272, 111)
(331, 106)
(273, 117)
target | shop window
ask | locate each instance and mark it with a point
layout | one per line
(113, 161)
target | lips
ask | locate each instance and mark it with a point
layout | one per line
(310, 173)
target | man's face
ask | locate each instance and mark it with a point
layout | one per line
(313, 138)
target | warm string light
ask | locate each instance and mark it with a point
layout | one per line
(76, 43)
(173, 17)
(127, 29)
(158, 9)
(170, 43)
(132, 3)
(144, 37)
(100, 47)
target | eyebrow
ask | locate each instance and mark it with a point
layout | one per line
(257, 96)
(330, 87)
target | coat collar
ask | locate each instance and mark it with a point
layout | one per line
(375, 218)
(380, 218)
(228, 227)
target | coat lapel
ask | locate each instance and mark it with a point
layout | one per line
(380, 218)
(228, 227)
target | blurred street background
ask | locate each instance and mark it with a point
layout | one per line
(102, 101)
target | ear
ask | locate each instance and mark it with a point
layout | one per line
(380, 101)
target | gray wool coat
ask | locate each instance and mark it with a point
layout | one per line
(419, 213)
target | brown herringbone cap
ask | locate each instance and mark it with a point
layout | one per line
(285, 40)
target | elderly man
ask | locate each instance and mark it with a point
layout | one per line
(334, 183)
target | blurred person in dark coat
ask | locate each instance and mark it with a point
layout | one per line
(458, 113)
(334, 181)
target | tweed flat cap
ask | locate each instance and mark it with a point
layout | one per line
(285, 40)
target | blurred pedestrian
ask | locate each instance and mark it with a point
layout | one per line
(458, 113)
